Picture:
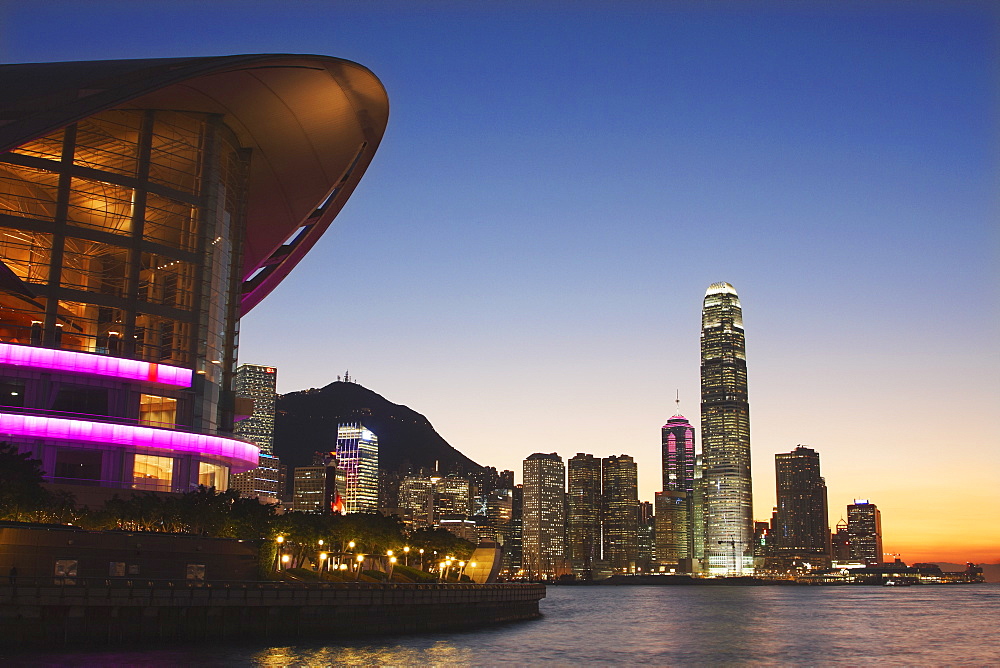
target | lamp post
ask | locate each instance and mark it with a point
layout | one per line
(421, 558)
(277, 552)
(322, 563)
(406, 555)
(392, 563)
(361, 560)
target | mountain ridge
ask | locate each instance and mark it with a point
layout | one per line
(306, 422)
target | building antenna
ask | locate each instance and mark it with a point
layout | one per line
(678, 402)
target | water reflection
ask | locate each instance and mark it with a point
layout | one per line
(659, 625)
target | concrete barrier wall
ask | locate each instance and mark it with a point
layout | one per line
(51, 614)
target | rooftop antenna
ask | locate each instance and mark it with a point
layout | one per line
(347, 376)
(678, 402)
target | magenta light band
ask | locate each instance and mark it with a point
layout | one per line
(93, 365)
(240, 455)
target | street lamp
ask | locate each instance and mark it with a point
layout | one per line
(421, 558)
(277, 552)
(361, 560)
(322, 562)
(406, 555)
(392, 564)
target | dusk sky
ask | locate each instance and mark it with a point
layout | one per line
(525, 260)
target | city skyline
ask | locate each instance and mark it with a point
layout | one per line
(531, 235)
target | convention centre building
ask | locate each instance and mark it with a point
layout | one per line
(145, 206)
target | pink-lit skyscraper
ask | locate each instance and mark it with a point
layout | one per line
(674, 526)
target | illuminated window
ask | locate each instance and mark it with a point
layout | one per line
(213, 475)
(157, 411)
(153, 473)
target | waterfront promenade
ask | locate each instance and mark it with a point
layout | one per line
(70, 611)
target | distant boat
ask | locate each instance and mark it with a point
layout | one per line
(896, 583)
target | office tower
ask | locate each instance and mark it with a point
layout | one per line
(864, 527)
(583, 523)
(147, 206)
(319, 488)
(698, 561)
(357, 455)
(258, 385)
(416, 495)
(725, 433)
(262, 482)
(674, 505)
(620, 489)
(544, 523)
(840, 543)
(646, 538)
(513, 554)
(801, 531)
(761, 541)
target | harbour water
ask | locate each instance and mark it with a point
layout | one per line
(676, 626)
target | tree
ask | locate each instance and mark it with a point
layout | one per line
(22, 496)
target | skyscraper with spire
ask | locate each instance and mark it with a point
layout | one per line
(725, 433)
(674, 511)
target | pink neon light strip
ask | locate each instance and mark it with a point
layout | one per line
(242, 456)
(93, 365)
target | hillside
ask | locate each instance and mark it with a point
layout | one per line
(307, 421)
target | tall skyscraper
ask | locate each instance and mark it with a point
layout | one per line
(864, 528)
(674, 505)
(620, 488)
(725, 433)
(583, 528)
(258, 384)
(801, 531)
(543, 521)
(357, 455)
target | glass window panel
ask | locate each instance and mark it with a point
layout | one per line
(156, 411)
(153, 473)
(94, 267)
(213, 475)
(17, 313)
(48, 147)
(164, 280)
(176, 143)
(109, 142)
(101, 206)
(26, 253)
(170, 222)
(159, 339)
(86, 327)
(27, 192)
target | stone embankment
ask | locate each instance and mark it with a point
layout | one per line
(78, 611)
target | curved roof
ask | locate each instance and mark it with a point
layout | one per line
(313, 124)
(720, 288)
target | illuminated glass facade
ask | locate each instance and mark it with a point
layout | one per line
(259, 383)
(583, 523)
(674, 525)
(543, 529)
(120, 239)
(620, 489)
(725, 434)
(144, 207)
(357, 456)
(801, 527)
(864, 531)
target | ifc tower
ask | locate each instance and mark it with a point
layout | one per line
(725, 434)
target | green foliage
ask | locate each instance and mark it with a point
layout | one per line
(22, 496)
(441, 540)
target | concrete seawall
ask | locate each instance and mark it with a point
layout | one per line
(53, 613)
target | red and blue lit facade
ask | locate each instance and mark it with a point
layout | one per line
(145, 206)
